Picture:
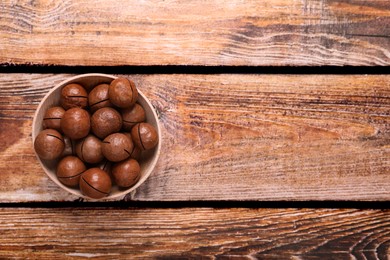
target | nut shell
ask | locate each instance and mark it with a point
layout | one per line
(122, 93)
(117, 147)
(73, 95)
(69, 170)
(76, 123)
(106, 166)
(98, 97)
(49, 144)
(144, 136)
(132, 116)
(126, 173)
(106, 121)
(52, 118)
(95, 183)
(136, 152)
(89, 149)
(69, 147)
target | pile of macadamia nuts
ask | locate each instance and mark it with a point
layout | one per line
(98, 137)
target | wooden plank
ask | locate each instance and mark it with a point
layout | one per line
(231, 137)
(265, 32)
(191, 233)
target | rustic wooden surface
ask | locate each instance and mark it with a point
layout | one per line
(191, 233)
(217, 32)
(226, 138)
(231, 137)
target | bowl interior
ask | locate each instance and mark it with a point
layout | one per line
(149, 158)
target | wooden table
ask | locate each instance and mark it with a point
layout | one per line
(266, 152)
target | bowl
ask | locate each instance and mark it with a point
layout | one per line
(149, 158)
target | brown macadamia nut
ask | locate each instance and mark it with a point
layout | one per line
(132, 116)
(52, 118)
(122, 92)
(95, 183)
(73, 95)
(144, 136)
(117, 147)
(126, 173)
(136, 152)
(49, 144)
(69, 147)
(76, 123)
(106, 121)
(98, 97)
(106, 166)
(89, 149)
(69, 170)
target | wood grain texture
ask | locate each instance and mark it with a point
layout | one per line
(196, 32)
(231, 137)
(192, 233)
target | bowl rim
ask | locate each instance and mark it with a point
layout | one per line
(152, 164)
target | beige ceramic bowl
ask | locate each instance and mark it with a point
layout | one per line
(89, 81)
